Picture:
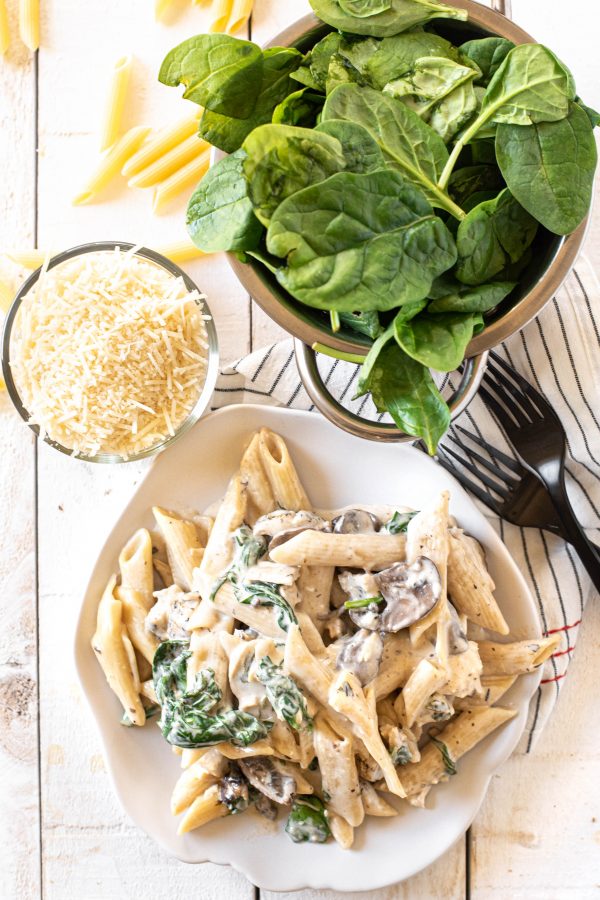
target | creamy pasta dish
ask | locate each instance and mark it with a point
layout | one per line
(333, 663)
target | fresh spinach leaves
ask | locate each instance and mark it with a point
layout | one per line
(386, 18)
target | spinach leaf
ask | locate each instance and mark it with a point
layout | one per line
(359, 241)
(404, 388)
(358, 51)
(488, 54)
(483, 152)
(229, 133)
(248, 549)
(261, 593)
(396, 56)
(397, 16)
(427, 83)
(492, 235)
(449, 763)
(438, 342)
(284, 695)
(188, 717)
(361, 152)
(473, 179)
(283, 159)
(341, 72)
(591, 113)
(530, 86)
(318, 59)
(401, 135)
(362, 322)
(308, 821)
(549, 168)
(220, 214)
(399, 522)
(220, 72)
(300, 108)
(362, 8)
(454, 111)
(478, 298)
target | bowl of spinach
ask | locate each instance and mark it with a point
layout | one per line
(401, 181)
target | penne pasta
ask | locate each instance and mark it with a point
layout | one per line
(184, 547)
(493, 688)
(157, 147)
(193, 782)
(341, 830)
(470, 585)
(180, 251)
(29, 23)
(168, 163)
(29, 259)
(240, 13)
(202, 810)
(517, 658)
(281, 472)
(315, 548)
(115, 102)
(4, 30)
(111, 164)
(427, 678)
(118, 663)
(260, 497)
(373, 802)
(186, 177)
(134, 618)
(338, 773)
(135, 564)
(221, 14)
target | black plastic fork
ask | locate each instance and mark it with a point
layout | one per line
(529, 491)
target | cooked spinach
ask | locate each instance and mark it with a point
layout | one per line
(549, 168)
(219, 72)
(359, 240)
(190, 717)
(261, 593)
(284, 695)
(399, 522)
(308, 821)
(220, 214)
(388, 16)
(362, 602)
(449, 764)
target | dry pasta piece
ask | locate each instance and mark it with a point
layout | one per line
(240, 13)
(470, 585)
(163, 143)
(180, 251)
(115, 102)
(221, 14)
(168, 163)
(4, 31)
(29, 259)
(457, 738)
(186, 177)
(516, 658)
(111, 164)
(203, 809)
(29, 23)
(118, 663)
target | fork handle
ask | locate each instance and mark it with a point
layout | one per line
(587, 552)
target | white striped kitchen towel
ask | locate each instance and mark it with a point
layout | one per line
(559, 353)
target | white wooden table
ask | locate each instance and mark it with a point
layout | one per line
(62, 834)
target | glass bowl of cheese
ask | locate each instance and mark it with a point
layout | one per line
(109, 352)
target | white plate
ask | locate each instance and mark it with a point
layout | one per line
(336, 469)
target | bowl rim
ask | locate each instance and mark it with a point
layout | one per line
(296, 323)
(159, 260)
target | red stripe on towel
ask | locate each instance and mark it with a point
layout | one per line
(564, 627)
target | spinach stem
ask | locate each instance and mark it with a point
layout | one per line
(362, 602)
(462, 142)
(334, 317)
(338, 354)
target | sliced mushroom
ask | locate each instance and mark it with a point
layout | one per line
(270, 777)
(287, 519)
(233, 790)
(356, 521)
(409, 592)
(360, 654)
(457, 639)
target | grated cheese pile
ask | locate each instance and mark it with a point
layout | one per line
(109, 353)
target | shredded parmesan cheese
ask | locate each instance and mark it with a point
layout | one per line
(109, 353)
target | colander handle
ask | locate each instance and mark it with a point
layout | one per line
(306, 360)
(502, 6)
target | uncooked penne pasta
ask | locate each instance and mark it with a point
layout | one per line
(29, 23)
(112, 654)
(317, 548)
(458, 737)
(180, 251)
(240, 13)
(221, 14)
(470, 585)
(111, 164)
(184, 548)
(115, 102)
(186, 177)
(168, 163)
(165, 141)
(516, 658)
(29, 259)
(202, 810)
(135, 563)
(4, 31)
